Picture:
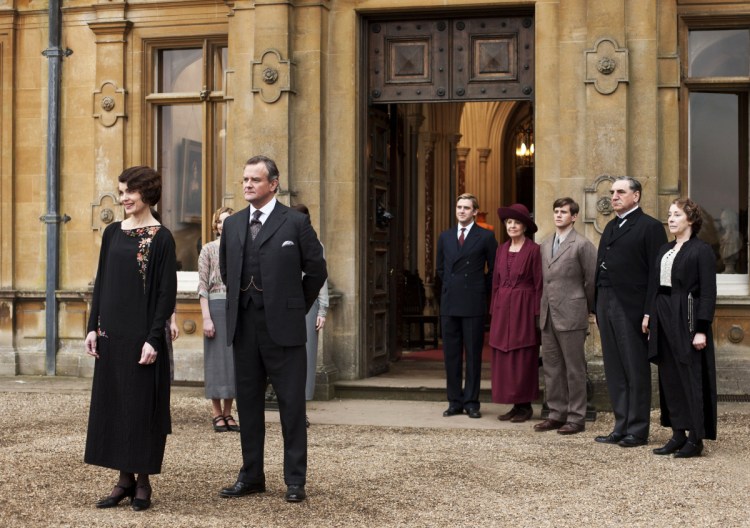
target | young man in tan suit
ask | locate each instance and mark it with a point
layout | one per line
(569, 271)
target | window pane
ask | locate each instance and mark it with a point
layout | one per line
(721, 53)
(180, 70)
(715, 179)
(220, 66)
(180, 160)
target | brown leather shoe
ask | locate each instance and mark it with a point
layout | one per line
(548, 425)
(571, 428)
(510, 414)
(522, 415)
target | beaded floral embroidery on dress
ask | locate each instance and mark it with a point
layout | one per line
(99, 331)
(145, 236)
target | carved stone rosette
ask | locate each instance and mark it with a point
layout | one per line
(109, 103)
(597, 207)
(272, 76)
(105, 211)
(606, 65)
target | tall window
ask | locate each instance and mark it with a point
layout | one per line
(717, 82)
(187, 113)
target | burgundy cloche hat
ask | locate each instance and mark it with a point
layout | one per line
(518, 212)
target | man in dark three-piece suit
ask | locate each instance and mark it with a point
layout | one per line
(273, 267)
(626, 262)
(465, 258)
(568, 269)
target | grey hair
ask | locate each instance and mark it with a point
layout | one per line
(633, 184)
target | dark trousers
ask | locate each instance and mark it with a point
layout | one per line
(626, 366)
(256, 357)
(461, 333)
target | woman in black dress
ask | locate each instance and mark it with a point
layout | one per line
(680, 338)
(134, 296)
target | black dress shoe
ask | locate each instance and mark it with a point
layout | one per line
(142, 504)
(112, 501)
(690, 450)
(234, 428)
(473, 413)
(451, 411)
(611, 438)
(632, 441)
(295, 493)
(240, 489)
(670, 447)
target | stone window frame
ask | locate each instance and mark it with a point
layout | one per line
(707, 17)
(213, 93)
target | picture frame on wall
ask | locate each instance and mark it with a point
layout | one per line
(191, 181)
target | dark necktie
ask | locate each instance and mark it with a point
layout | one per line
(461, 238)
(555, 245)
(621, 221)
(255, 224)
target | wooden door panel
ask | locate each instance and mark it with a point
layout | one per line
(408, 60)
(493, 59)
(377, 296)
(451, 59)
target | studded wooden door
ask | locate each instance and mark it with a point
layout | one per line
(379, 265)
(451, 59)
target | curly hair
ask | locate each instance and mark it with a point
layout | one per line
(217, 214)
(143, 180)
(692, 211)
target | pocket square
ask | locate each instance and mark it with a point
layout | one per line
(287, 243)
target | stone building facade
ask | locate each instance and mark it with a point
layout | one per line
(378, 112)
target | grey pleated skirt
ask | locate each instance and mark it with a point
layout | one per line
(218, 361)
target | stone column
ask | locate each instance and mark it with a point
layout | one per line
(110, 30)
(484, 154)
(272, 85)
(461, 154)
(7, 197)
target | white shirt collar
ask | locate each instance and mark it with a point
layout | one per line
(625, 214)
(466, 229)
(266, 210)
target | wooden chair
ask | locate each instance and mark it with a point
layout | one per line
(412, 314)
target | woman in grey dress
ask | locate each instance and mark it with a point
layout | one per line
(218, 362)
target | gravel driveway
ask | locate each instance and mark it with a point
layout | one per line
(365, 475)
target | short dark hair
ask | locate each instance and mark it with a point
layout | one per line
(692, 211)
(633, 184)
(144, 180)
(302, 208)
(562, 202)
(271, 168)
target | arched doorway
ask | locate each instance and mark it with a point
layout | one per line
(424, 76)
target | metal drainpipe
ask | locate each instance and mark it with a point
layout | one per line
(54, 55)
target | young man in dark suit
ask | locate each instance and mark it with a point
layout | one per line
(626, 262)
(465, 258)
(272, 264)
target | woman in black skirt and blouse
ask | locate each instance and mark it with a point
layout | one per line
(134, 296)
(680, 337)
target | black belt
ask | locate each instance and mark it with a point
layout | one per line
(665, 290)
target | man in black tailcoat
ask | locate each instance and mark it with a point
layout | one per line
(626, 261)
(465, 258)
(273, 267)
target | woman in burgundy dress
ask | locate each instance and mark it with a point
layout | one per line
(134, 297)
(514, 309)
